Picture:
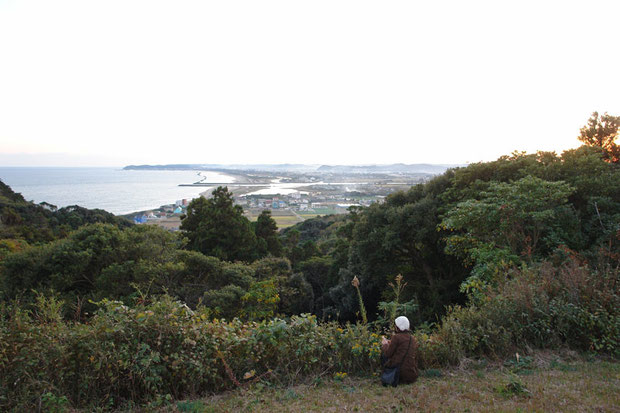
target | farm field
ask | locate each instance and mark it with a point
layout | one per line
(286, 218)
(308, 215)
(286, 221)
(283, 218)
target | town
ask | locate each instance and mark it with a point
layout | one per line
(293, 196)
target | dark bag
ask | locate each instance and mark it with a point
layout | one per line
(391, 375)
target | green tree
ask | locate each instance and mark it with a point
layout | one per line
(217, 227)
(509, 224)
(316, 271)
(296, 297)
(96, 261)
(601, 132)
(20, 219)
(266, 231)
(399, 237)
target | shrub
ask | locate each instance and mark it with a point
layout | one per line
(124, 356)
(162, 349)
(540, 306)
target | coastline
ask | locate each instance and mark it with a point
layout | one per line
(120, 192)
(234, 178)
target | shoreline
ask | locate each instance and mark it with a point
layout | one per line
(235, 179)
(208, 189)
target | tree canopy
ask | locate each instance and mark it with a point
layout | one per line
(32, 223)
(217, 227)
(266, 231)
(602, 132)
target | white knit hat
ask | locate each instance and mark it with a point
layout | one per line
(402, 323)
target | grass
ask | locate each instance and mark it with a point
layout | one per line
(308, 215)
(285, 222)
(283, 218)
(553, 385)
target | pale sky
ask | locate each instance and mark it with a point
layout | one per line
(320, 82)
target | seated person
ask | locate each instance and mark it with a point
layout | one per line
(402, 347)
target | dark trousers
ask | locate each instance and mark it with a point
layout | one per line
(383, 360)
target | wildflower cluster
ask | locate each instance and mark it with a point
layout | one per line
(340, 375)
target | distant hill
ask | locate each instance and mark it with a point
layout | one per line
(25, 220)
(422, 168)
(8, 196)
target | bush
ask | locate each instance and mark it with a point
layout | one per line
(540, 306)
(163, 349)
(124, 356)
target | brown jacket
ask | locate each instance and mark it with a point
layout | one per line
(395, 351)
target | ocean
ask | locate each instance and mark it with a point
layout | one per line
(113, 189)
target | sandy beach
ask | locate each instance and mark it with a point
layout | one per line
(237, 179)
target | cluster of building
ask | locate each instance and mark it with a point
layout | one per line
(165, 212)
(275, 202)
(302, 202)
(168, 216)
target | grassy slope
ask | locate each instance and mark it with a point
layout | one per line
(552, 386)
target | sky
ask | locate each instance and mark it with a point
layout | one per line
(111, 83)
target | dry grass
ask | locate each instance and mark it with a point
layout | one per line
(576, 386)
(284, 218)
(308, 215)
(286, 221)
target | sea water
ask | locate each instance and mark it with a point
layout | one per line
(113, 189)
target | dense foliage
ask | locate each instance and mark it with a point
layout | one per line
(541, 306)
(602, 132)
(102, 261)
(153, 349)
(217, 227)
(25, 222)
(125, 356)
(266, 231)
(464, 230)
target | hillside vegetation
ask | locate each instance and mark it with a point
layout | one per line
(488, 260)
(25, 222)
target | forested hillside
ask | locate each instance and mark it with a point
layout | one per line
(519, 253)
(463, 231)
(23, 221)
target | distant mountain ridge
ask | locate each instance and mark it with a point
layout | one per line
(423, 168)
(392, 168)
